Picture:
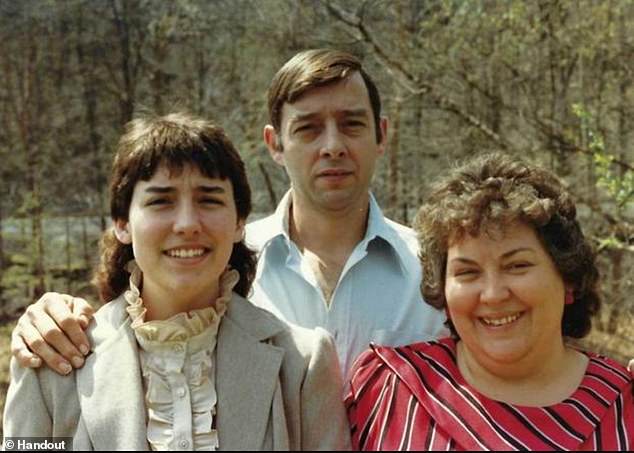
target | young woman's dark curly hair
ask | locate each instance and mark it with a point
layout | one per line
(175, 141)
(493, 192)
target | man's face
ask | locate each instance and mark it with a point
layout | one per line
(327, 143)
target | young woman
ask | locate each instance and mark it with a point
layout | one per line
(504, 255)
(181, 360)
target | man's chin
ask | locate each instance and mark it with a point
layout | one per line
(339, 200)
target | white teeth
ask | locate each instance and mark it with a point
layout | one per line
(185, 253)
(501, 321)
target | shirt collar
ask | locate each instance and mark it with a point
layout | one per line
(378, 227)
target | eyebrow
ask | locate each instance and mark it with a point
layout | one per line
(505, 255)
(348, 113)
(170, 189)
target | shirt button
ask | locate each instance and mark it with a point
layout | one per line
(179, 348)
(181, 392)
(183, 444)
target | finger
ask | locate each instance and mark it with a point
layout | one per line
(40, 347)
(630, 367)
(21, 352)
(83, 311)
(56, 341)
(71, 329)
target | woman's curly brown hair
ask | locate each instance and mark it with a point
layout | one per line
(176, 140)
(494, 191)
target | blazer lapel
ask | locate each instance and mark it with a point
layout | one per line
(247, 373)
(110, 388)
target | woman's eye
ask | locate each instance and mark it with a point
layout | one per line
(465, 272)
(211, 201)
(519, 266)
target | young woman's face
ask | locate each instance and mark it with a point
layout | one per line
(182, 229)
(504, 295)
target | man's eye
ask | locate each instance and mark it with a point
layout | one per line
(158, 201)
(354, 123)
(306, 128)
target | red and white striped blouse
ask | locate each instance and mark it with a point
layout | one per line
(414, 398)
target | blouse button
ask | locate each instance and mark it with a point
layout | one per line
(181, 392)
(183, 444)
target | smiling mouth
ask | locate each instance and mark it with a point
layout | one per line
(498, 322)
(186, 253)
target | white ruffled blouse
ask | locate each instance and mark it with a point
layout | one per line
(177, 363)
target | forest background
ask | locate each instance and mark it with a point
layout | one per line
(548, 80)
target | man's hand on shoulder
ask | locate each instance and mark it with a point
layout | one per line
(52, 330)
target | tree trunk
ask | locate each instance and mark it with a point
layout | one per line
(121, 16)
(85, 245)
(616, 303)
(269, 185)
(89, 93)
(393, 167)
(69, 260)
(2, 261)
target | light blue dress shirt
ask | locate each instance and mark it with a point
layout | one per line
(377, 298)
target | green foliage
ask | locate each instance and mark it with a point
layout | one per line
(618, 185)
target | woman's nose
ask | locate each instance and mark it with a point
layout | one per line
(187, 220)
(495, 290)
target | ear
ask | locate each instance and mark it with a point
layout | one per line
(239, 233)
(273, 144)
(121, 231)
(383, 125)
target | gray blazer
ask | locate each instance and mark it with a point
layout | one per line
(279, 388)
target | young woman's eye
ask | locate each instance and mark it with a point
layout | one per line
(465, 272)
(211, 201)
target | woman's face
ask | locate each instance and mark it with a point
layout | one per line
(504, 295)
(182, 229)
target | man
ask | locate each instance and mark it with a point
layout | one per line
(328, 257)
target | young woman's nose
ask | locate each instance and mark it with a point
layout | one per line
(187, 219)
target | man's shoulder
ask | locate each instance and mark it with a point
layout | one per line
(259, 232)
(404, 236)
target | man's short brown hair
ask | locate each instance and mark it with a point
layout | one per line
(314, 68)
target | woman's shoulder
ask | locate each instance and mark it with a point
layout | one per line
(380, 362)
(290, 337)
(608, 370)
(107, 320)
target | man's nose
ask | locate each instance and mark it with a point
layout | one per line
(333, 144)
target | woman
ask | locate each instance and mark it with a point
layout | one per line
(181, 360)
(504, 255)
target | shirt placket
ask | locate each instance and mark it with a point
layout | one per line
(177, 380)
